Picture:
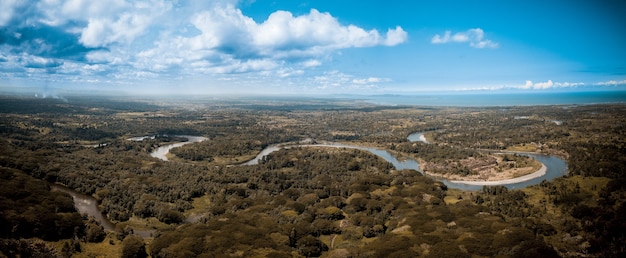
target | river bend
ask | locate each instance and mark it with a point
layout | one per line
(554, 167)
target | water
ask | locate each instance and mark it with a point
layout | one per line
(417, 137)
(161, 152)
(263, 153)
(480, 99)
(86, 205)
(555, 166)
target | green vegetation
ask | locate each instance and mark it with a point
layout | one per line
(306, 201)
(28, 210)
(28, 207)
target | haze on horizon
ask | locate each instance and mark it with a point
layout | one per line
(311, 47)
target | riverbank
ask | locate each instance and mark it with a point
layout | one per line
(85, 205)
(488, 175)
(539, 173)
(554, 167)
(162, 152)
(551, 166)
(485, 168)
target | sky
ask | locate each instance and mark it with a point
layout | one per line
(311, 47)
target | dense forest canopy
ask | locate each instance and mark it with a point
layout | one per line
(305, 201)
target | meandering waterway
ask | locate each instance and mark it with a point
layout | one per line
(162, 151)
(552, 168)
(86, 205)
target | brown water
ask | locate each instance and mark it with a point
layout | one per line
(86, 205)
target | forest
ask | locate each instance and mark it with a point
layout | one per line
(305, 201)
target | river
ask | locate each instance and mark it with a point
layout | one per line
(162, 151)
(86, 205)
(554, 167)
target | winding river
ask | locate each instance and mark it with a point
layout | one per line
(552, 168)
(162, 151)
(86, 205)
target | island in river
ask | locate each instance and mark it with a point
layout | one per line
(482, 167)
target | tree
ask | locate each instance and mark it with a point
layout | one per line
(94, 232)
(133, 246)
(310, 246)
(168, 216)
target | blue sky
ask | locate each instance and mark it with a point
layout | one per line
(311, 47)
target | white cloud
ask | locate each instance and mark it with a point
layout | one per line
(227, 41)
(332, 79)
(123, 27)
(130, 39)
(437, 39)
(58, 12)
(289, 72)
(311, 63)
(283, 34)
(544, 85)
(475, 37)
(229, 66)
(370, 80)
(221, 27)
(611, 83)
(8, 8)
(484, 44)
(549, 84)
(342, 82)
(569, 84)
(527, 85)
(395, 36)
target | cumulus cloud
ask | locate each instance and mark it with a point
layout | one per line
(475, 37)
(144, 38)
(38, 62)
(396, 36)
(225, 28)
(227, 41)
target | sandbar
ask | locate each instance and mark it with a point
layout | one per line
(540, 172)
